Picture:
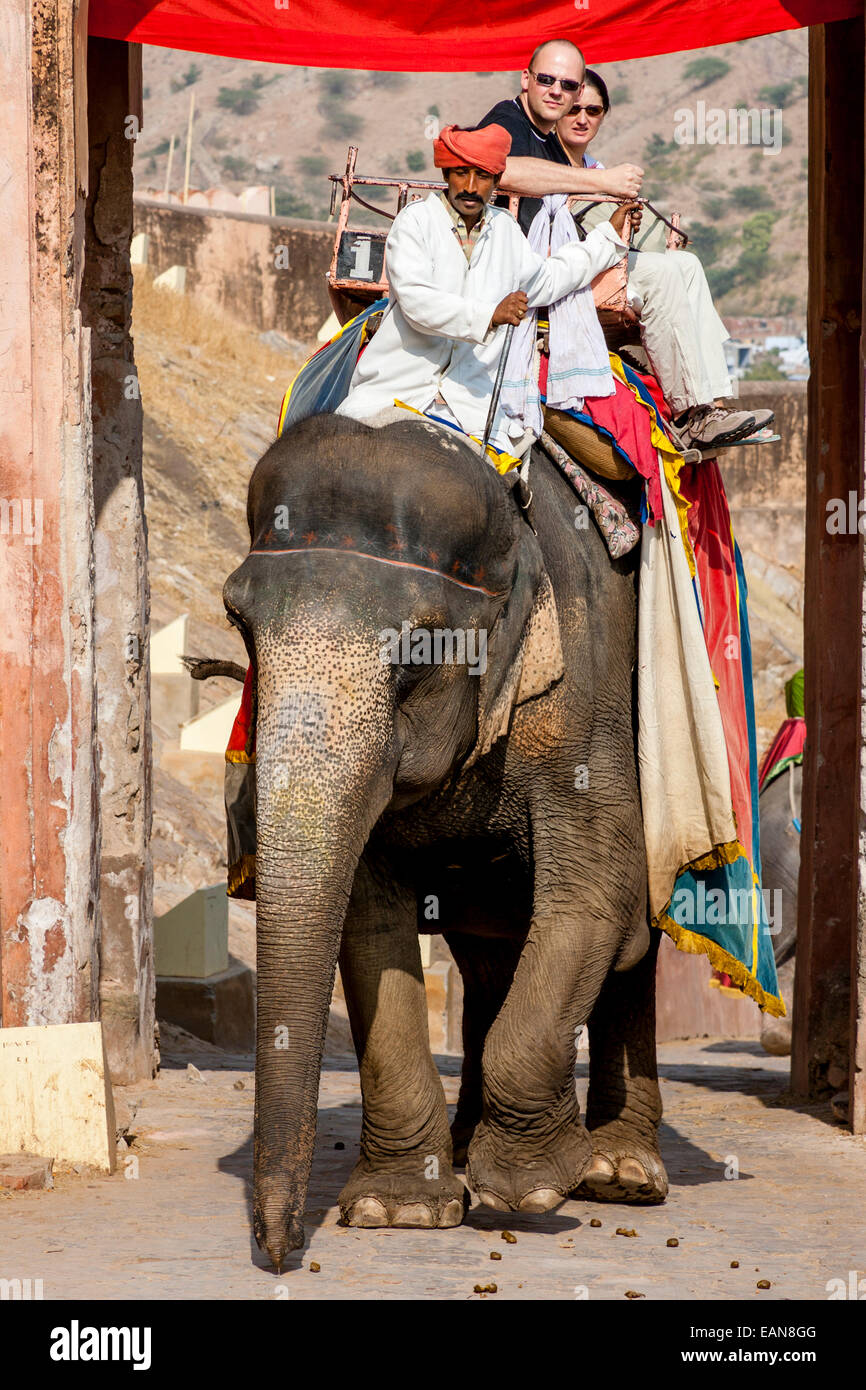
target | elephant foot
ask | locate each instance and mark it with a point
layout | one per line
(776, 1035)
(625, 1167)
(511, 1175)
(374, 1197)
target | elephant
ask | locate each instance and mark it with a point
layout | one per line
(779, 806)
(503, 793)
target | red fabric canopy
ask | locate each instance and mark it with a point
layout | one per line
(445, 36)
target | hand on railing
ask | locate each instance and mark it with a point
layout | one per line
(622, 181)
(622, 220)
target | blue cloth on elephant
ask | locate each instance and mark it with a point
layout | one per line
(323, 382)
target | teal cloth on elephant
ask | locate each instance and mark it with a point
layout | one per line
(727, 909)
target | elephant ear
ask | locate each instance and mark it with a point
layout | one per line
(524, 652)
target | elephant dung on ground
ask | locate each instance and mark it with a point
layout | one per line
(499, 781)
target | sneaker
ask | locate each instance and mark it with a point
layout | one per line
(763, 418)
(708, 426)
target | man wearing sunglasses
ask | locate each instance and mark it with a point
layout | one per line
(537, 164)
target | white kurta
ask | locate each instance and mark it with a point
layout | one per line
(435, 336)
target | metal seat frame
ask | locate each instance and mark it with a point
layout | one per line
(351, 293)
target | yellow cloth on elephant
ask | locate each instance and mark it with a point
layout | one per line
(503, 462)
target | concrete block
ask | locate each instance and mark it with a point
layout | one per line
(328, 329)
(172, 279)
(174, 694)
(191, 940)
(55, 1094)
(209, 732)
(256, 199)
(138, 249)
(166, 647)
(174, 701)
(220, 1009)
(26, 1172)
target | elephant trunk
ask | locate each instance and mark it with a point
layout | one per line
(324, 771)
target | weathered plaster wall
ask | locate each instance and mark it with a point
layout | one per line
(766, 485)
(49, 809)
(236, 261)
(127, 982)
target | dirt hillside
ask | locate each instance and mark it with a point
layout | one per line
(211, 392)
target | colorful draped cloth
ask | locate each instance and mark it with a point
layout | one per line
(697, 746)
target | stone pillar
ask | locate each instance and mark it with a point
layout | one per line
(49, 805)
(122, 604)
(827, 929)
(858, 961)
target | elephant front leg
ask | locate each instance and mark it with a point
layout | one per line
(530, 1148)
(404, 1175)
(624, 1104)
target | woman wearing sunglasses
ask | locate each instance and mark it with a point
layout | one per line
(680, 329)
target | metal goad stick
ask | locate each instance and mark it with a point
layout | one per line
(497, 387)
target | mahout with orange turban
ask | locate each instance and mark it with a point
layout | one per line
(486, 148)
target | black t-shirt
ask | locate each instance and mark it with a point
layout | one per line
(526, 142)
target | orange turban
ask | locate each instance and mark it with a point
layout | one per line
(485, 148)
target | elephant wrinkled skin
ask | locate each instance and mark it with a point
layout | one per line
(393, 794)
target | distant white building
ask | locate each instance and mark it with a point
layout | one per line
(738, 356)
(792, 358)
(797, 355)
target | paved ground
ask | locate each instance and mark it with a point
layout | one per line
(180, 1229)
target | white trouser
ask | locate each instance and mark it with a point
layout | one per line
(680, 329)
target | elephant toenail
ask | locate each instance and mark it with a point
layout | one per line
(600, 1170)
(490, 1199)
(368, 1211)
(453, 1213)
(632, 1173)
(542, 1199)
(414, 1214)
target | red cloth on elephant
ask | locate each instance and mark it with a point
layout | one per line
(625, 421)
(786, 746)
(485, 149)
(709, 523)
(237, 747)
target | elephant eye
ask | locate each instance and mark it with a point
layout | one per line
(408, 674)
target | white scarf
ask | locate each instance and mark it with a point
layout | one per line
(579, 364)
